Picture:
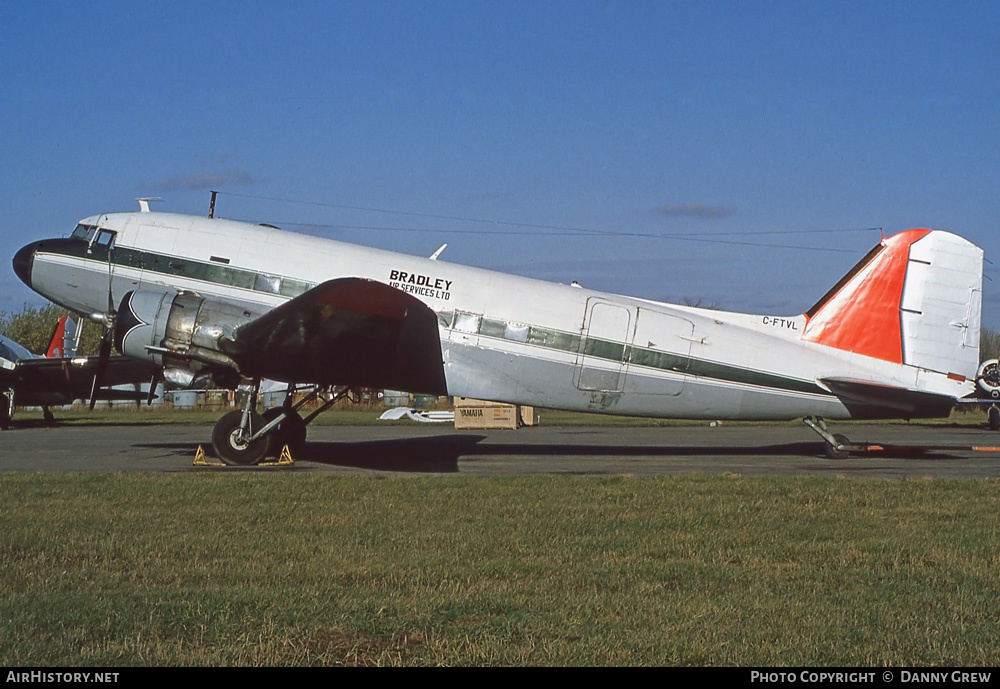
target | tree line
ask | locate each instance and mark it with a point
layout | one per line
(32, 327)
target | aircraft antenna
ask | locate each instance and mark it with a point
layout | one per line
(144, 202)
(211, 205)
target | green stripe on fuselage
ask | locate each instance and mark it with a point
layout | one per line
(644, 357)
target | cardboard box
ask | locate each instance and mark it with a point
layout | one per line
(470, 413)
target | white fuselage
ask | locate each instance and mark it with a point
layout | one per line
(503, 337)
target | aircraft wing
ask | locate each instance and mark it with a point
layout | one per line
(873, 401)
(348, 331)
(61, 380)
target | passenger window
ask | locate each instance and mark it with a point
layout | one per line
(268, 283)
(467, 322)
(516, 332)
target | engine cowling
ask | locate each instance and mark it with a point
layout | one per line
(181, 332)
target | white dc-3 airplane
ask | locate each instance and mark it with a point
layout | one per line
(208, 298)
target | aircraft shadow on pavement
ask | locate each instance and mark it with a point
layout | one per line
(437, 454)
(442, 453)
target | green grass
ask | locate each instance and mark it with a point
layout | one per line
(279, 569)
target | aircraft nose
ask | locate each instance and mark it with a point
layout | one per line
(23, 261)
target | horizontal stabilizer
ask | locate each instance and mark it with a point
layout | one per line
(873, 401)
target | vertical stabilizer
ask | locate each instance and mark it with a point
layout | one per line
(915, 299)
(57, 345)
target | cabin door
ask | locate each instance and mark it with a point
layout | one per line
(602, 361)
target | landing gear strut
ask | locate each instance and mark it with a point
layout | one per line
(836, 445)
(291, 428)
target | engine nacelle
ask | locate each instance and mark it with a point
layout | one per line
(180, 332)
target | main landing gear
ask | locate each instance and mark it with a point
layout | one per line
(244, 438)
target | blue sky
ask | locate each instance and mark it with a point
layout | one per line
(762, 130)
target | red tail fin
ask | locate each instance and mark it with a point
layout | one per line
(57, 346)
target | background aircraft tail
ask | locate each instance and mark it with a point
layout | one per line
(65, 339)
(57, 344)
(915, 299)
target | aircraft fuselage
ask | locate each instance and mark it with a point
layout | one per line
(503, 337)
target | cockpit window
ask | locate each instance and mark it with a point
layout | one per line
(105, 239)
(83, 232)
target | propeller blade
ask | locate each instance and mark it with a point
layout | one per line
(107, 337)
(156, 379)
(102, 365)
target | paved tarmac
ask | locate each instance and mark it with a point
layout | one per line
(440, 449)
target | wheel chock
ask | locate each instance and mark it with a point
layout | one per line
(201, 459)
(284, 460)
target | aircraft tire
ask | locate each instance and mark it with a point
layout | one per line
(230, 449)
(993, 417)
(295, 434)
(291, 431)
(831, 450)
(4, 412)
